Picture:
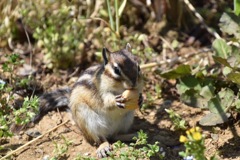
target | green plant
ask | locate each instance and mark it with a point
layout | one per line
(140, 149)
(118, 12)
(4, 128)
(137, 150)
(8, 113)
(6, 95)
(60, 149)
(152, 97)
(10, 65)
(194, 144)
(158, 91)
(7, 12)
(60, 36)
(113, 13)
(178, 122)
(25, 114)
(215, 87)
(56, 26)
(149, 101)
(79, 157)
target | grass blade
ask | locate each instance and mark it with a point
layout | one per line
(121, 8)
(110, 15)
(117, 17)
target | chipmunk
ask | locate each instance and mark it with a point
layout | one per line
(95, 100)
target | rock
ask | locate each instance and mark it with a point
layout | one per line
(46, 157)
(33, 134)
(214, 137)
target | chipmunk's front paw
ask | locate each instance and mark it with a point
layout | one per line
(103, 150)
(120, 101)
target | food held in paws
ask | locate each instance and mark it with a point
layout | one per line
(131, 99)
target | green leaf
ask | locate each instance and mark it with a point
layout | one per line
(237, 103)
(221, 48)
(121, 8)
(207, 92)
(1, 133)
(234, 60)
(195, 92)
(2, 85)
(181, 71)
(190, 82)
(110, 15)
(237, 7)
(234, 77)
(227, 97)
(212, 119)
(226, 71)
(192, 98)
(223, 100)
(181, 88)
(229, 23)
(222, 61)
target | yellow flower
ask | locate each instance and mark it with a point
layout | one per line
(187, 132)
(197, 129)
(183, 139)
(197, 136)
(192, 130)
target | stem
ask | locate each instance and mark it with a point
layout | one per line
(102, 20)
(110, 15)
(117, 16)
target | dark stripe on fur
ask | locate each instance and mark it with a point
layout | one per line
(99, 71)
(89, 71)
(107, 73)
(127, 63)
(88, 84)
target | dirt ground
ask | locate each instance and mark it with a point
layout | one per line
(221, 140)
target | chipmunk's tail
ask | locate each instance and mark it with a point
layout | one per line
(52, 100)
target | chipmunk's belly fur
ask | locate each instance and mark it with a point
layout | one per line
(106, 124)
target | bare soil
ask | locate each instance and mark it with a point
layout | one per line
(221, 140)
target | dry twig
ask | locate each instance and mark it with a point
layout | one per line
(173, 60)
(200, 18)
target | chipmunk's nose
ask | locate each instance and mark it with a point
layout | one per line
(132, 86)
(129, 86)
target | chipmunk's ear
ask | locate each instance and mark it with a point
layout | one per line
(128, 47)
(105, 54)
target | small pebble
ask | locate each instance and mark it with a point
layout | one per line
(87, 154)
(214, 137)
(2, 82)
(33, 134)
(46, 157)
(188, 158)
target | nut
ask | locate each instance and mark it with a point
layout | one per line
(131, 97)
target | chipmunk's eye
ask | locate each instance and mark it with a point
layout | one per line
(117, 70)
